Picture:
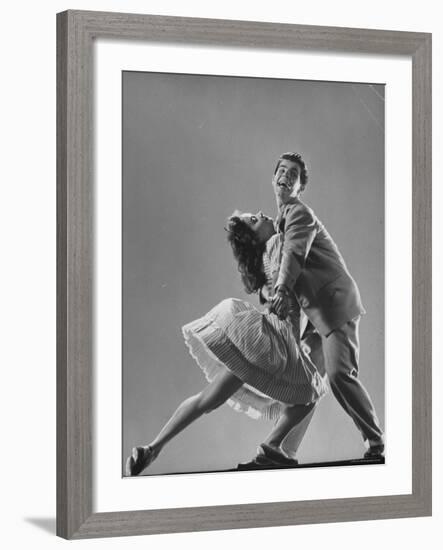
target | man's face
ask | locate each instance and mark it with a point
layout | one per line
(286, 180)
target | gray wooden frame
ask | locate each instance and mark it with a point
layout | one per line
(76, 31)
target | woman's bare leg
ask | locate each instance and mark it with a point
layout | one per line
(293, 415)
(217, 392)
(224, 385)
(292, 441)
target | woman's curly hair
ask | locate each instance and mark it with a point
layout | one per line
(247, 251)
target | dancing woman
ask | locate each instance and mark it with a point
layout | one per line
(252, 359)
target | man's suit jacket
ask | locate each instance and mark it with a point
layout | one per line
(312, 267)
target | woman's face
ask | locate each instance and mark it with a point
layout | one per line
(261, 225)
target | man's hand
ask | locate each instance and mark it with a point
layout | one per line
(280, 303)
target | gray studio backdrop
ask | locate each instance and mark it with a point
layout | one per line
(195, 148)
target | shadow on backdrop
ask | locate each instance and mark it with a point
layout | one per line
(46, 524)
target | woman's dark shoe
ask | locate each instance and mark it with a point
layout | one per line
(273, 457)
(268, 457)
(375, 452)
(140, 459)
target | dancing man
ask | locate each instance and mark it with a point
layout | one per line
(313, 270)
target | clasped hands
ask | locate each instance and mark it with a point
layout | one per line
(280, 303)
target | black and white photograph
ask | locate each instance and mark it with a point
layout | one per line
(253, 273)
(221, 304)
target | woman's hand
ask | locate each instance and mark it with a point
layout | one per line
(265, 294)
(280, 303)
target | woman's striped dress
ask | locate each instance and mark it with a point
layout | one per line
(259, 348)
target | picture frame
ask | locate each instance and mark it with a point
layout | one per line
(76, 32)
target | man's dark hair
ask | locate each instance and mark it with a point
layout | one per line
(297, 158)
